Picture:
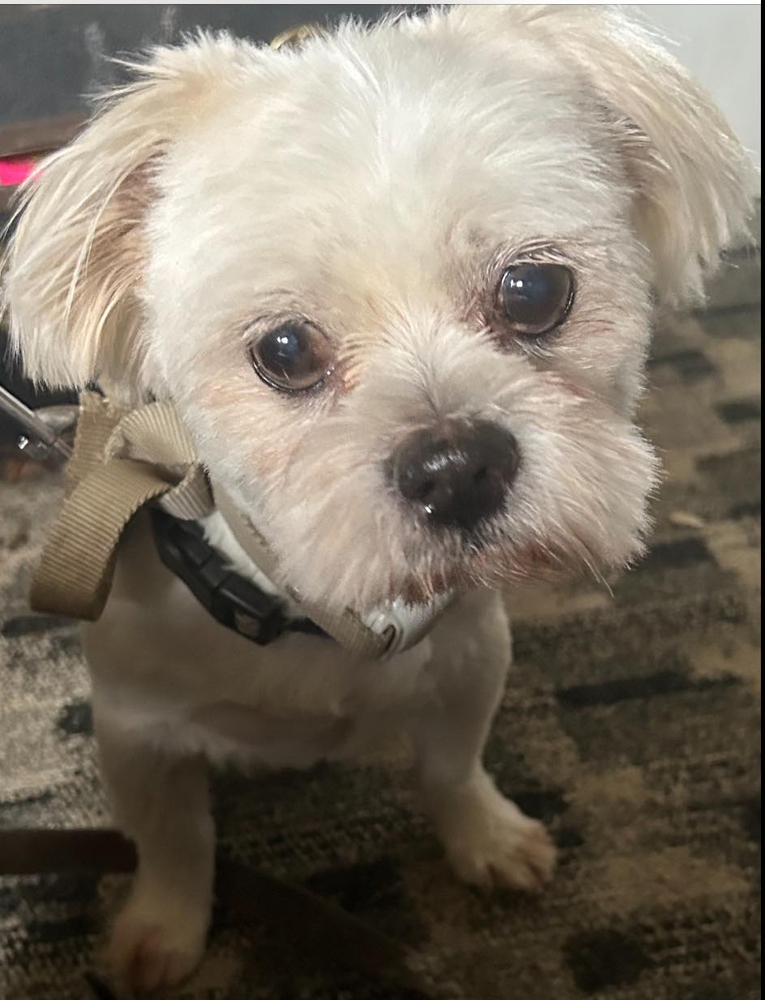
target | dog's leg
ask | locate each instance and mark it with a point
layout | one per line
(162, 802)
(488, 840)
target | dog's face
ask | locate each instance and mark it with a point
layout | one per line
(398, 284)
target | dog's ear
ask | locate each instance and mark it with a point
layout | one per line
(73, 266)
(694, 184)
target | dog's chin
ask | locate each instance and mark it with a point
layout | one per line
(497, 567)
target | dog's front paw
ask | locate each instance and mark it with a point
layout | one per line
(154, 947)
(490, 843)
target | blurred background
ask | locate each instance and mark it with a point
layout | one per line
(631, 722)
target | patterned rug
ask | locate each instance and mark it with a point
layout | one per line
(630, 725)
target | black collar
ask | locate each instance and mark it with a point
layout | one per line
(231, 599)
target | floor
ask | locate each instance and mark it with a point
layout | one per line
(630, 725)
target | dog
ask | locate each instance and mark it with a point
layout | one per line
(399, 285)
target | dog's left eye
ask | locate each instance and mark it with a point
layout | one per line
(536, 298)
(295, 355)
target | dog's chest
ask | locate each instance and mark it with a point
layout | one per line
(228, 729)
(295, 714)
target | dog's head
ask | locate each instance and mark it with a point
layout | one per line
(398, 283)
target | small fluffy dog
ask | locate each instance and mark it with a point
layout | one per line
(399, 286)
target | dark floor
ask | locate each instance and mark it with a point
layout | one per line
(631, 725)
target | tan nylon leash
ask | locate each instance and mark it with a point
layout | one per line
(122, 460)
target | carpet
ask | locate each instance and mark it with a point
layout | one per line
(630, 725)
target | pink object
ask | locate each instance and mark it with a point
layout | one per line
(15, 169)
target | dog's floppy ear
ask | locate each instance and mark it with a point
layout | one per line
(694, 183)
(73, 266)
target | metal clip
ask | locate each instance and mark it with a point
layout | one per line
(406, 624)
(45, 432)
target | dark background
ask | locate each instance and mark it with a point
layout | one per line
(50, 57)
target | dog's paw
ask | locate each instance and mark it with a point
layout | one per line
(153, 948)
(491, 844)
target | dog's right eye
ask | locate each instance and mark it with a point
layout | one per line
(293, 356)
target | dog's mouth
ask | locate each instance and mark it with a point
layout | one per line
(486, 565)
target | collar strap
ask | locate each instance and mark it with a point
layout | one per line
(125, 459)
(346, 627)
(234, 601)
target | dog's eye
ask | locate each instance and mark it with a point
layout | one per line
(536, 297)
(294, 355)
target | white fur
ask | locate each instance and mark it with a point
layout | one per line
(377, 182)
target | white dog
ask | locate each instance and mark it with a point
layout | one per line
(399, 287)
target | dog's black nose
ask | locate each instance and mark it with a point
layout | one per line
(457, 473)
